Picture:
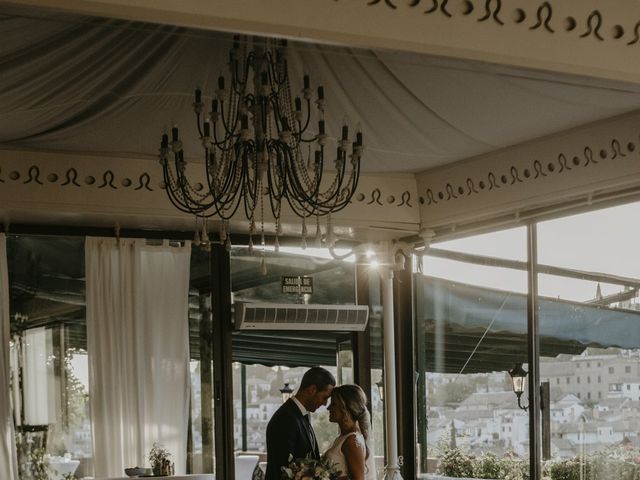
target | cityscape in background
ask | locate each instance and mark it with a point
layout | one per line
(595, 403)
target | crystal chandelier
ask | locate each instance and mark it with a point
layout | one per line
(259, 147)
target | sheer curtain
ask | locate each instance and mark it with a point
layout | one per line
(138, 342)
(8, 461)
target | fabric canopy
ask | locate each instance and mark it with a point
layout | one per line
(467, 329)
(83, 84)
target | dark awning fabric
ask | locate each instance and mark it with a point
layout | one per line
(453, 317)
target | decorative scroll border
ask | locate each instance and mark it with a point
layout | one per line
(72, 178)
(535, 16)
(514, 176)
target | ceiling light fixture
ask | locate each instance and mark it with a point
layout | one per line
(260, 146)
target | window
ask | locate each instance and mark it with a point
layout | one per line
(627, 369)
(628, 387)
(566, 295)
(49, 347)
(557, 381)
(444, 292)
(568, 380)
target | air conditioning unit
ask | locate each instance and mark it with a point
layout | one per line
(288, 316)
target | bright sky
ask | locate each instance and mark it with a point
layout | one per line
(604, 241)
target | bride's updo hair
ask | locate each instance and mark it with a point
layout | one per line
(351, 399)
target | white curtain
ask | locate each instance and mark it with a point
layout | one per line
(8, 461)
(138, 342)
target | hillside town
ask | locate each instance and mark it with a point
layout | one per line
(595, 403)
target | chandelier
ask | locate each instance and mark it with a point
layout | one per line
(261, 148)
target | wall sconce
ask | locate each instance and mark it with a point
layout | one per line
(287, 392)
(518, 378)
(380, 385)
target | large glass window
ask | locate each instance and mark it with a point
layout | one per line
(471, 328)
(590, 340)
(49, 364)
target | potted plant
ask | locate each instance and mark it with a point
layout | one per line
(159, 460)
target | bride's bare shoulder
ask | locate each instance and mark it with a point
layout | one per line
(353, 443)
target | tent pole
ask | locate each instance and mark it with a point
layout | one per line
(392, 469)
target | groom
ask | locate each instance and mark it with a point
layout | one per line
(289, 431)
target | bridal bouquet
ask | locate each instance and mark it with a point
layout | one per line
(310, 469)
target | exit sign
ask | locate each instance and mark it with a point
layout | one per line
(297, 284)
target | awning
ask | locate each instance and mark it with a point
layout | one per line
(465, 328)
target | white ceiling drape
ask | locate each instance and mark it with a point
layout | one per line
(82, 84)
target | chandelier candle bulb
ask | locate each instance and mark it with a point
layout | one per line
(320, 92)
(321, 127)
(207, 128)
(221, 82)
(298, 104)
(359, 139)
(174, 134)
(345, 132)
(306, 81)
(198, 95)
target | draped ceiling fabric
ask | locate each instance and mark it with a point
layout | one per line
(137, 337)
(72, 83)
(469, 329)
(8, 459)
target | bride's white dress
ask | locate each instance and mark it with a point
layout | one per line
(335, 455)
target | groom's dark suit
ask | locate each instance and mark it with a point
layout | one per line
(288, 433)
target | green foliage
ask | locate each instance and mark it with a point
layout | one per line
(488, 465)
(32, 462)
(564, 470)
(158, 455)
(453, 462)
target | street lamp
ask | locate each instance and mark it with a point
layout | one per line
(286, 392)
(518, 379)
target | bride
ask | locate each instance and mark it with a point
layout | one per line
(350, 451)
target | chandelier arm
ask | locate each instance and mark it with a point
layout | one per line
(314, 185)
(252, 188)
(198, 125)
(174, 200)
(273, 69)
(227, 131)
(355, 176)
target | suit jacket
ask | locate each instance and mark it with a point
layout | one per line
(288, 434)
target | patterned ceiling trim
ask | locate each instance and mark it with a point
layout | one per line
(530, 16)
(57, 182)
(374, 196)
(515, 175)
